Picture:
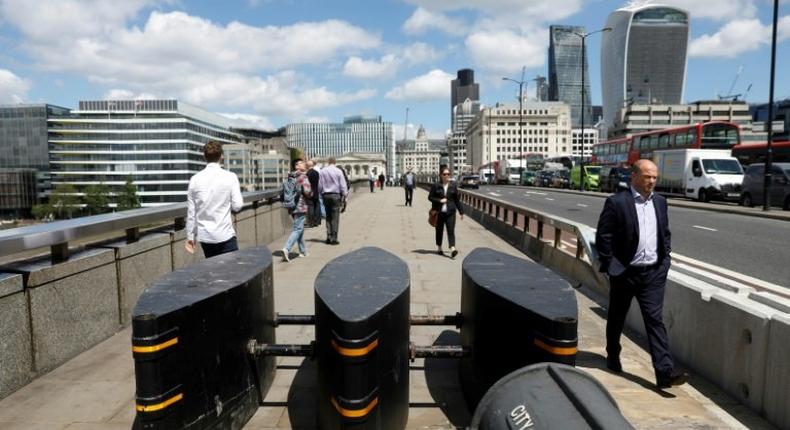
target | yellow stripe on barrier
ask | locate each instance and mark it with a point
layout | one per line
(160, 406)
(154, 348)
(355, 352)
(355, 413)
(556, 350)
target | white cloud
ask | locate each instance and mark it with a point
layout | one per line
(423, 20)
(510, 12)
(419, 53)
(124, 94)
(434, 85)
(716, 9)
(737, 37)
(370, 69)
(13, 89)
(250, 120)
(528, 50)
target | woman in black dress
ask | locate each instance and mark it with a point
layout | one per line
(444, 198)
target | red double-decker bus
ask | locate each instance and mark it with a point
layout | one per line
(748, 153)
(627, 150)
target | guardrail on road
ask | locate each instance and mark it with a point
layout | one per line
(736, 338)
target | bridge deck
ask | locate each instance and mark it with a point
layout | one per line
(96, 389)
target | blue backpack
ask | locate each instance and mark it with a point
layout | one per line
(291, 193)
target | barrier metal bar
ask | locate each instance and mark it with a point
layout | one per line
(429, 320)
(439, 351)
(57, 234)
(280, 350)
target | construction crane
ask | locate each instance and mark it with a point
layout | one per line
(730, 95)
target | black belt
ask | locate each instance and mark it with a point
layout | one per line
(330, 193)
(642, 269)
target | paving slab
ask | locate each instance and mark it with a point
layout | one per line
(96, 389)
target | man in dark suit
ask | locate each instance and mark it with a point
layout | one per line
(634, 246)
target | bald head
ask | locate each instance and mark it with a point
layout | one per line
(644, 176)
(310, 164)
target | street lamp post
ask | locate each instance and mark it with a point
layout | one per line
(584, 36)
(520, 122)
(770, 128)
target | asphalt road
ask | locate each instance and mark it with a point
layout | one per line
(756, 247)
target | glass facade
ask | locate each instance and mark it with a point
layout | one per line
(565, 72)
(156, 143)
(354, 134)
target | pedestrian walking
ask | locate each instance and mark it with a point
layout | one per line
(212, 194)
(296, 193)
(634, 246)
(372, 180)
(314, 202)
(382, 178)
(332, 186)
(444, 199)
(408, 186)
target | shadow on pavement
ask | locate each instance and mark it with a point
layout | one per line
(303, 397)
(441, 375)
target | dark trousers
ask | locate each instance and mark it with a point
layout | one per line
(647, 286)
(449, 221)
(313, 212)
(372, 185)
(409, 194)
(332, 203)
(214, 249)
(381, 184)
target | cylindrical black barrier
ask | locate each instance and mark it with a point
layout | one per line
(548, 396)
(362, 341)
(190, 335)
(515, 312)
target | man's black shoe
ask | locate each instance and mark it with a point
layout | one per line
(671, 380)
(328, 242)
(335, 242)
(613, 364)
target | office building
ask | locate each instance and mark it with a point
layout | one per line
(361, 134)
(158, 144)
(583, 147)
(25, 152)
(565, 72)
(643, 58)
(781, 120)
(541, 89)
(421, 155)
(262, 161)
(462, 88)
(494, 133)
(463, 114)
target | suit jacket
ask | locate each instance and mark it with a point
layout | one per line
(437, 193)
(618, 232)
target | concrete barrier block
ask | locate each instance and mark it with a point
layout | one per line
(244, 222)
(139, 264)
(73, 305)
(263, 224)
(16, 358)
(776, 401)
(181, 258)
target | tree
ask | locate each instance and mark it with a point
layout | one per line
(64, 201)
(128, 198)
(97, 199)
(44, 211)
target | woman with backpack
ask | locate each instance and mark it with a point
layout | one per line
(296, 192)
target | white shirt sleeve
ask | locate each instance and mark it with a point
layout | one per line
(191, 225)
(236, 202)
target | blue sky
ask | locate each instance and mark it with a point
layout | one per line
(272, 62)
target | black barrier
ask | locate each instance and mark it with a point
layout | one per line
(515, 312)
(362, 341)
(548, 396)
(190, 335)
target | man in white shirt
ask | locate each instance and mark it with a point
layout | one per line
(212, 194)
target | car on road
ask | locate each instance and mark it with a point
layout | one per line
(590, 177)
(544, 178)
(613, 178)
(752, 191)
(470, 181)
(529, 177)
(561, 179)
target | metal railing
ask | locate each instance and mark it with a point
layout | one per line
(58, 234)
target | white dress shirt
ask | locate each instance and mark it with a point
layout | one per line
(647, 249)
(213, 193)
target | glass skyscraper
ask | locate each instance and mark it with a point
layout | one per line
(565, 71)
(354, 134)
(643, 58)
(156, 143)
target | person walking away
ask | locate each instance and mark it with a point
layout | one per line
(372, 180)
(382, 178)
(314, 202)
(634, 246)
(212, 194)
(444, 198)
(408, 186)
(333, 188)
(296, 195)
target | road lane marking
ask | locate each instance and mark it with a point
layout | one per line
(548, 198)
(495, 194)
(704, 228)
(582, 205)
(536, 192)
(758, 284)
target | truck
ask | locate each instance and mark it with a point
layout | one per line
(702, 174)
(508, 171)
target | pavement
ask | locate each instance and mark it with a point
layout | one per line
(96, 389)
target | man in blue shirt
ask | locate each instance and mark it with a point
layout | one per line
(333, 188)
(408, 185)
(634, 245)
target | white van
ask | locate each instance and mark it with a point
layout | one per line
(702, 174)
